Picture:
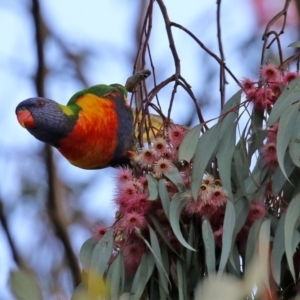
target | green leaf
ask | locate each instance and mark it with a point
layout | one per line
(114, 276)
(102, 252)
(285, 129)
(181, 276)
(278, 250)
(295, 44)
(151, 264)
(255, 180)
(158, 226)
(232, 104)
(279, 179)
(240, 166)
(257, 119)
(189, 253)
(251, 241)
(125, 296)
(176, 206)
(85, 253)
(155, 250)
(263, 248)
(289, 95)
(294, 144)
(292, 215)
(206, 149)
(164, 196)
(234, 264)
(24, 285)
(163, 275)
(224, 156)
(226, 123)
(141, 278)
(188, 146)
(175, 177)
(241, 211)
(165, 257)
(255, 142)
(152, 187)
(209, 246)
(228, 227)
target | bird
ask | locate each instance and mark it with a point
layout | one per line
(94, 130)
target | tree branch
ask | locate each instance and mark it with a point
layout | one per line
(57, 223)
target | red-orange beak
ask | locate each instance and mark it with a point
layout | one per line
(25, 118)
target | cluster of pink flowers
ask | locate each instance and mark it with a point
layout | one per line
(256, 211)
(264, 93)
(131, 198)
(268, 150)
(133, 206)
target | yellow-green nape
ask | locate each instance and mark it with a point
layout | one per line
(66, 110)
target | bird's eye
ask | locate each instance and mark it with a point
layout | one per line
(40, 103)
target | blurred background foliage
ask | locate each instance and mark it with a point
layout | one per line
(85, 43)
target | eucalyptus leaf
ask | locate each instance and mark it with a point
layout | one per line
(224, 156)
(279, 179)
(160, 230)
(114, 276)
(181, 280)
(156, 250)
(240, 165)
(228, 227)
(188, 146)
(24, 285)
(125, 296)
(295, 44)
(176, 206)
(85, 253)
(254, 182)
(152, 187)
(175, 177)
(189, 253)
(252, 240)
(294, 144)
(241, 207)
(285, 129)
(278, 250)
(206, 149)
(289, 95)
(292, 215)
(234, 265)
(140, 279)
(102, 252)
(264, 249)
(232, 104)
(164, 196)
(209, 246)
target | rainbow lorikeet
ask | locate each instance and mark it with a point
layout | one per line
(93, 131)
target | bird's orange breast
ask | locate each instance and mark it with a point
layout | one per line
(92, 142)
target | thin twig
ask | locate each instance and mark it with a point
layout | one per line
(266, 34)
(277, 39)
(191, 94)
(58, 225)
(207, 51)
(172, 99)
(222, 70)
(168, 24)
(12, 246)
